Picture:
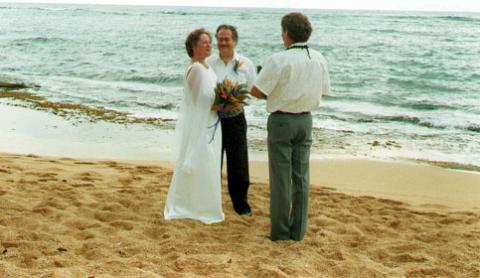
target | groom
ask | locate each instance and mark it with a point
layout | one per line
(293, 82)
(231, 65)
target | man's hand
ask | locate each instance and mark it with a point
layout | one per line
(257, 93)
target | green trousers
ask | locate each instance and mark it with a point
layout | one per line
(289, 142)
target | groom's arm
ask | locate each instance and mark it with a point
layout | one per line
(257, 93)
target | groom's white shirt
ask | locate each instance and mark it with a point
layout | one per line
(245, 73)
(294, 80)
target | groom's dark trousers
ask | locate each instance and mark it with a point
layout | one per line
(234, 144)
(289, 142)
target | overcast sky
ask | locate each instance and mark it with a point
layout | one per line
(420, 5)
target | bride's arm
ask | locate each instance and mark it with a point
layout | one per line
(193, 132)
(194, 81)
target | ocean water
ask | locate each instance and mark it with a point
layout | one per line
(404, 84)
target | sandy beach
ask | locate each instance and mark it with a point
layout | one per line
(64, 217)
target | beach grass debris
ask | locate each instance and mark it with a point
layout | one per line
(390, 143)
(73, 110)
(451, 165)
(10, 86)
(20, 96)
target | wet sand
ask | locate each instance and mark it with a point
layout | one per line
(420, 185)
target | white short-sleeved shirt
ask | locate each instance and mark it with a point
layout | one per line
(294, 82)
(244, 74)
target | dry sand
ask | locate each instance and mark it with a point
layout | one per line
(63, 217)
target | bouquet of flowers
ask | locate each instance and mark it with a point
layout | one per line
(228, 97)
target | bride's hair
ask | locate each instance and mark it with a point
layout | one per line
(193, 38)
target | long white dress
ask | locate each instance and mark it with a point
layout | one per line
(195, 189)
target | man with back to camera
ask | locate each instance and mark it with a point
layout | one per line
(235, 67)
(293, 82)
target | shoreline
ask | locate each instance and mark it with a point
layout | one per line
(102, 120)
(98, 137)
(39, 133)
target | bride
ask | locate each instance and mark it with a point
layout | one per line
(195, 189)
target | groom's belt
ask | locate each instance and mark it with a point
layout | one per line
(289, 113)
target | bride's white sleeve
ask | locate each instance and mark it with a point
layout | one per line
(192, 129)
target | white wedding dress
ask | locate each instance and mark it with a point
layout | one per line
(195, 189)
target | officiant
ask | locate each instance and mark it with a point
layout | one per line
(235, 67)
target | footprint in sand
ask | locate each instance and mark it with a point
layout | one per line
(80, 185)
(32, 156)
(89, 177)
(84, 163)
(146, 169)
(122, 224)
(43, 210)
(125, 181)
(4, 171)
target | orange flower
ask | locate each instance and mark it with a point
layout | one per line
(228, 83)
(234, 99)
(217, 107)
(223, 94)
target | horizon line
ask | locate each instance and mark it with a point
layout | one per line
(236, 7)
